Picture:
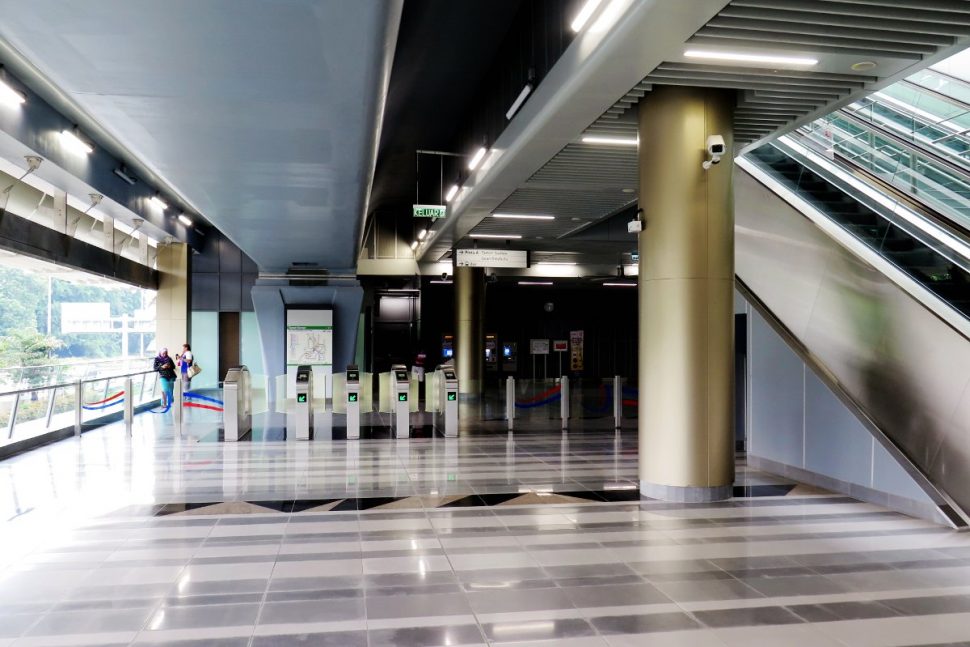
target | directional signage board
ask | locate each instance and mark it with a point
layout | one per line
(433, 211)
(539, 346)
(515, 258)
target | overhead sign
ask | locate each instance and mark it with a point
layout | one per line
(539, 346)
(560, 345)
(492, 258)
(433, 211)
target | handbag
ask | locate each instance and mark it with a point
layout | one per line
(193, 370)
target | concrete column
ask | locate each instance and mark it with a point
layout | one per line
(686, 420)
(469, 329)
(173, 303)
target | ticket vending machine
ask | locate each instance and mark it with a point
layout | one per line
(510, 357)
(447, 415)
(353, 402)
(303, 414)
(401, 385)
(238, 404)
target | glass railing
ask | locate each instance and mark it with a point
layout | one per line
(37, 410)
(19, 377)
(943, 187)
(898, 235)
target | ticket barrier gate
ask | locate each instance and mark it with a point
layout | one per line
(400, 390)
(303, 414)
(446, 413)
(353, 402)
(237, 398)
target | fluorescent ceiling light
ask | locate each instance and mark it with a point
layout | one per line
(75, 143)
(613, 141)
(607, 18)
(519, 100)
(509, 236)
(522, 216)
(550, 263)
(451, 193)
(584, 14)
(185, 220)
(751, 58)
(477, 158)
(9, 96)
(422, 234)
(123, 173)
(158, 202)
(440, 282)
(620, 285)
(414, 244)
(535, 282)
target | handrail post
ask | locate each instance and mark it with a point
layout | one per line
(78, 389)
(13, 415)
(129, 410)
(510, 400)
(177, 406)
(617, 401)
(564, 401)
(50, 407)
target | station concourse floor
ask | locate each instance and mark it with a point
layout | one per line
(533, 538)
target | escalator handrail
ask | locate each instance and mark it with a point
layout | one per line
(942, 95)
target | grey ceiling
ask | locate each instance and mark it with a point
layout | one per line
(264, 115)
(584, 182)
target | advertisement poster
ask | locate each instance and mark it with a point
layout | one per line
(576, 350)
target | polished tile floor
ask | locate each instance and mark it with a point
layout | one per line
(83, 561)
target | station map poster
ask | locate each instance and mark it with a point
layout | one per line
(576, 350)
(309, 340)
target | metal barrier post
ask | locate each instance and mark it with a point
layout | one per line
(78, 392)
(50, 407)
(13, 415)
(177, 406)
(510, 400)
(564, 401)
(617, 401)
(129, 410)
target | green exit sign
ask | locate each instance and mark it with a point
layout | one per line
(351, 397)
(452, 396)
(301, 397)
(402, 397)
(433, 211)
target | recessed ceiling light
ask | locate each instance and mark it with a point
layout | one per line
(584, 14)
(75, 143)
(451, 193)
(522, 216)
(610, 141)
(477, 158)
(508, 236)
(185, 220)
(535, 283)
(863, 66)
(9, 96)
(750, 58)
(628, 190)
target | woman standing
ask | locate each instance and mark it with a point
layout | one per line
(185, 361)
(165, 367)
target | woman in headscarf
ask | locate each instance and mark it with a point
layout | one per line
(165, 367)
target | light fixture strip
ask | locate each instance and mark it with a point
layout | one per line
(620, 285)
(535, 283)
(158, 202)
(422, 234)
(522, 216)
(451, 193)
(750, 58)
(185, 220)
(477, 158)
(555, 263)
(519, 100)
(610, 141)
(584, 14)
(505, 236)
(75, 143)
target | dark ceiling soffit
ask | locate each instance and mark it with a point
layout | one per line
(37, 241)
(36, 124)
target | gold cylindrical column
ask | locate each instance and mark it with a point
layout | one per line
(686, 419)
(469, 328)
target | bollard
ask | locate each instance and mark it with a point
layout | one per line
(617, 401)
(77, 407)
(564, 401)
(177, 406)
(129, 406)
(510, 400)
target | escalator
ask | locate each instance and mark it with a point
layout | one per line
(872, 289)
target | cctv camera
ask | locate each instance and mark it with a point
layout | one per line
(715, 149)
(444, 276)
